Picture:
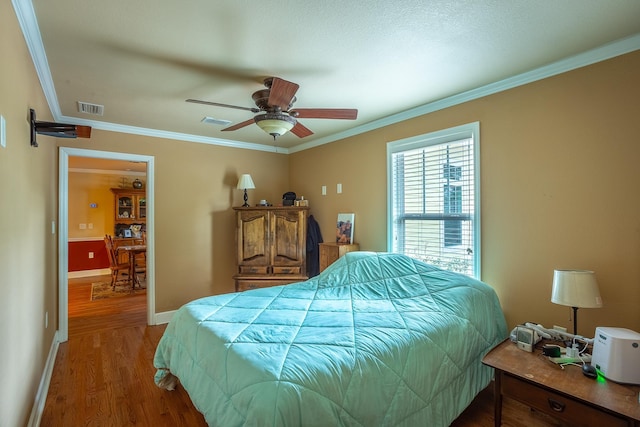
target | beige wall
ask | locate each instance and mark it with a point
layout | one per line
(559, 169)
(559, 164)
(28, 249)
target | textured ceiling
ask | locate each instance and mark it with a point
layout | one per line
(142, 59)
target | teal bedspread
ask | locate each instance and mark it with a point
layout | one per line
(377, 339)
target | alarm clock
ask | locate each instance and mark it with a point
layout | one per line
(525, 338)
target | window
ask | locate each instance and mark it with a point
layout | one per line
(433, 198)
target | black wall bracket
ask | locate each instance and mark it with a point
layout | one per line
(58, 130)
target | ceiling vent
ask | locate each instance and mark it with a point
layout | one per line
(212, 121)
(95, 109)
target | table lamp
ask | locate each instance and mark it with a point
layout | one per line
(577, 289)
(245, 183)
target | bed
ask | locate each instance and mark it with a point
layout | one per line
(377, 339)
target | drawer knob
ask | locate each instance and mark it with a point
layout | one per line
(555, 405)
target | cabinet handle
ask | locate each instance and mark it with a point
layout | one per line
(555, 405)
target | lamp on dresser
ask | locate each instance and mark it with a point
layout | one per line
(577, 289)
(246, 183)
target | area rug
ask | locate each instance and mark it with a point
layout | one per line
(103, 290)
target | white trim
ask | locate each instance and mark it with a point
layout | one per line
(43, 387)
(107, 172)
(89, 273)
(164, 317)
(114, 127)
(29, 25)
(30, 30)
(85, 239)
(457, 132)
(608, 51)
(63, 230)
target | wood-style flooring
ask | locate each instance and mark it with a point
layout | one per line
(103, 375)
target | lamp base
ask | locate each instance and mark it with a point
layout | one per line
(246, 199)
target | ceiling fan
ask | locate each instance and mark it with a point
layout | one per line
(276, 113)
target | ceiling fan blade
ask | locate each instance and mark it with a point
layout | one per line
(239, 125)
(300, 130)
(325, 113)
(281, 93)
(217, 104)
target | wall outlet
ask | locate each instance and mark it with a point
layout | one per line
(83, 226)
(90, 255)
(90, 226)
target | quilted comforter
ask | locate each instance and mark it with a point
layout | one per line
(377, 339)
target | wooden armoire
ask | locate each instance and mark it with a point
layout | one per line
(271, 246)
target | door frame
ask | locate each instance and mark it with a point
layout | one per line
(63, 230)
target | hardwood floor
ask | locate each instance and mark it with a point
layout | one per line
(103, 375)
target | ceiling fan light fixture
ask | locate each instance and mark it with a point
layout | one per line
(275, 124)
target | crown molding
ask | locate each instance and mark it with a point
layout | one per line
(114, 127)
(29, 25)
(608, 51)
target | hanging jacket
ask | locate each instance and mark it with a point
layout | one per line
(314, 238)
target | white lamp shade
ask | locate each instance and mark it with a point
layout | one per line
(245, 182)
(274, 126)
(576, 288)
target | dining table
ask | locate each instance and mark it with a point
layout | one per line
(132, 251)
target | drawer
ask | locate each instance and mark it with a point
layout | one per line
(557, 405)
(254, 269)
(287, 270)
(247, 284)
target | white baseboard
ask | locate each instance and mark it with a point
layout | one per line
(88, 273)
(43, 388)
(164, 317)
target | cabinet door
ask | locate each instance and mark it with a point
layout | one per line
(253, 241)
(125, 207)
(141, 206)
(288, 241)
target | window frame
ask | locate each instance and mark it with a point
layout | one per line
(469, 130)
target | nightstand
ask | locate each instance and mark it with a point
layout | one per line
(565, 394)
(330, 252)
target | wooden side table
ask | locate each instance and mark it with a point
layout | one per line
(565, 394)
(330, 252)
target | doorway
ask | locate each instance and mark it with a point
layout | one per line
(63, 230)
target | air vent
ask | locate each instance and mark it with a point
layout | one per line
(95, 109)
(212, 121)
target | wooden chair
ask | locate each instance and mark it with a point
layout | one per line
(116, 267)
(141, 258)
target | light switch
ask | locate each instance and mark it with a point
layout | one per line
(324, 190)
(83, 226)
(3, 132)
(339, 189)
(90, 226)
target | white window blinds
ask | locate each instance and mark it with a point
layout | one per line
(433, 202)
